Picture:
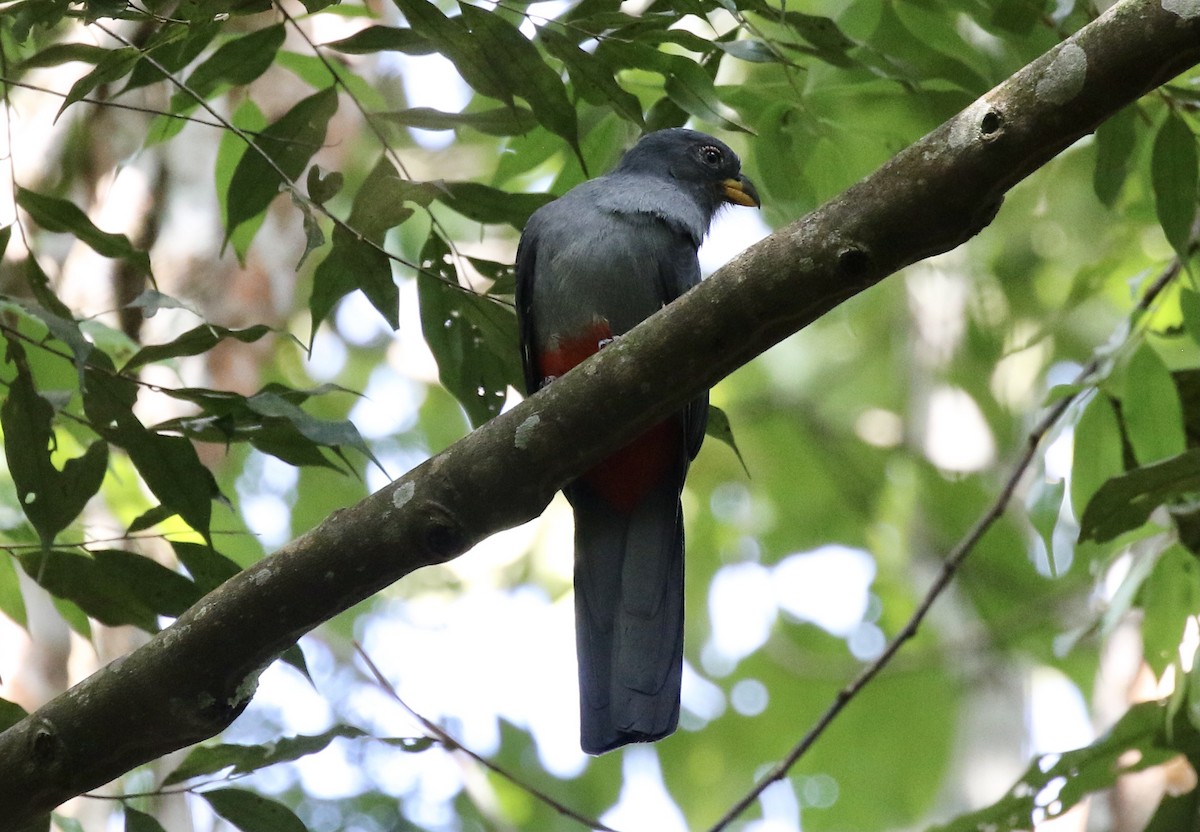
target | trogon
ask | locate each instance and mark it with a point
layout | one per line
(591, 266)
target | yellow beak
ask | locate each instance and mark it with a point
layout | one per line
(741, 191)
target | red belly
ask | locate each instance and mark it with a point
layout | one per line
(626, 476)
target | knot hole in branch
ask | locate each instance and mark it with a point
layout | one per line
(853, 263)
(444, 537)
(991, 125)
(45, 745)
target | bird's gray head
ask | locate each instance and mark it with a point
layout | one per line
(705, 166)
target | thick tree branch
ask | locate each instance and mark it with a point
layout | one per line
(195, 677)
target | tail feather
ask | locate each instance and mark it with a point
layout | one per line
(629, 615)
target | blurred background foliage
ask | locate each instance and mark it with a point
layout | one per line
(199, 367)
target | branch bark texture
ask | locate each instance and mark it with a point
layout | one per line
(191, 680)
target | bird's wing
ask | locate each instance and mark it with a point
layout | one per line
(679, 271)
(526, 266)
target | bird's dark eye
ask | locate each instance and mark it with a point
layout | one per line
(711, 155)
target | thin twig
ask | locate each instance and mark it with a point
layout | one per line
(452, 744)
(108, 102)
(950, 567)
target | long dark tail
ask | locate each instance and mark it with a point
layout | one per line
(629, 614)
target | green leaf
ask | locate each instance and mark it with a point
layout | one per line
(472, 365)
(592, 78)
(270, 421)
(237, 62)
(1151, 408)
(168, 464)
(55, 315)
(116, 64)
(486, 204)
(1115, 140)
(284, 146)
(384, 39)
(319, 74)
(685, 82)
(499, 121)
(196, 341)
(10, 714)
(379, 204)
(173, 47)
(99, 592)
(452, 39)
(718, 428)
(1081, 772)
(136, 821)
(353, 263)
(525, 72)
(60, 215)
(412, 745)
(1169, 597)
(330, 433)
(150, 518)
(751, 51)
(230, 152)
(1174, 170)
(50, 498)
(1098, 453)
(1125, 502)
(823, 33)
(252, 812)
(12, 602)
(1189, 305)
(1018, 16)
(63, 53)
(151, 300)
(294, 656)
(322, 188)
(211, 759)
(314, 235)
(208, 567)
(159, 588)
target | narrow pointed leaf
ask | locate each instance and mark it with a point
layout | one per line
(195, 341)
(470, 366)
(452, 39)
(61, 215)
(1151, 408)
(1115, 140)
(252, 812)
(136, 821)
(1125, 502)
(99, 593)
(50, 498)
(208, 567)
(526, 73)
(235, 62)
(592, 78)
(1174, 171)
(718, 428)
(289, 143)
(116, 64)
(486, 204)
(500, 121)
(384, 39)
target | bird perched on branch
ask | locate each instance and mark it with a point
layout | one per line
(591, 266)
